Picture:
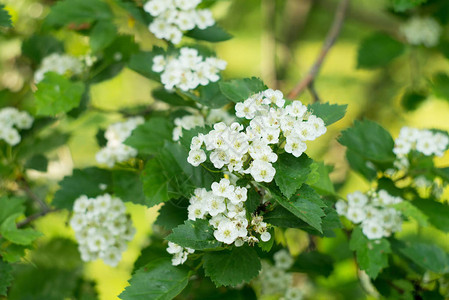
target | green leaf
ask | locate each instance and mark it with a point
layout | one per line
(266, 246)
(170, 97)
(81, 182)
(149, 137)
(412, 212)
(13, 253)
(6, 277)
(56, 94)
(253, 201)
(232, 267)
(172, 214)
(372, 255)
(359, 164)
(238, 90)
(77, 12)
(10, 206)
(211, 34)
(314, 263)
(198, 235)
(291, 172)
(323, 184)
(102, 35)
(37, 47)
(411, 100)
(440, 86)
(305, 204)
(211, 96)
(369, 140)
(436, 212)
(10, 232)
(403, 5)
(155, 184)
(37, 162)
(443, 173)
(158, 280)
(378, 50)
(330, 113)
(5, 18)
(128, 187)
(427, 256)
(142, 63)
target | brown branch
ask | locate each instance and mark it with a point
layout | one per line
(328, 43)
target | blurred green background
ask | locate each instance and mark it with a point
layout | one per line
(299, 29)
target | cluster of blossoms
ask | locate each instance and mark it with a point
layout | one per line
(189, 122)
(225, 205)
(102, 228)
(116, 150)
(179, 253)
(188, 70)
(374, 212)
(10, 117)
(422, 31)
(274, 279)
(58, 63)
(422, 140)
(173, 17)
(271, 124)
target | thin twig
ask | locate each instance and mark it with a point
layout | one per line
(328, 43)
(36, 216)
(26, 187)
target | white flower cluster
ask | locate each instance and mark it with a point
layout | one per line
(189, 122)
(188, 70)
(225, 204)
(58, 63)
(179, 253)
(115, 150)
(10, 117)
(422, 31)
(102, 228)
(374, 212)
(421, 140)
(271, 124)
(173, 17)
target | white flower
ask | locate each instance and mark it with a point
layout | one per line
(262, 171)
(422, 31)
(196, 157)
(341, 207)
(355, 214)
(372, 230)
(295, 146)
(216, 205)
(265, 237)
(357, 199)
(226, 232)
(283, 260)
(58, 63)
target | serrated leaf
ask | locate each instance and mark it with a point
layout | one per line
(412, 212)
(291, 172)
(82, 182)
(440, 86)
(102, 35)
(369, 140)
(323, 184)
(155, 184)
(211, 96)
(56, 94)
(197, 235)
(128, 187)
(330, 113)
(10, 232)
(305, 204)
(10, 206)
(158, 280)
(6, 277)
(232, 267)
(427, 256)
(436, 212)
(149, 137)
(238, 90)
(378, 50)
(372, 255)
(172, 214)
(213, 33)
(5, 18)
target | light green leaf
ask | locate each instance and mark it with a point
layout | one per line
(6, 277)
(412, 212)
(10, 206)
(232, 267)
(378, 50)
(305, 204)
(323, 184)
(291, 172)
(10, 232)
(102, 35)
(158, 280)
(5, 18)
(198, 235)
(403, 5)
(372, 255)
(150, 136)
(436, 212)
(330, 113)
(211, 34)
(77, 12)
(238, 90)
(56, 94)
(427, 256)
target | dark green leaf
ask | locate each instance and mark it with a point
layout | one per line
(101, 140)
(440, 86)
(172, 214)
(155, 184)
(232, 267)
(158, 280)
(155, 251)
(102, 35)
(372, 255)
(314, 263)
(37, 162)
(56, 94)
(197, 235)
(411, 100)
(142, 63)
(378, 50)
(211, 96)
(253, 201)
(427, 256)
(361, 165)
(170, 97)
(211, 34)
(150, 136)
(128, 187)
(10, 232)
(330, 113)
(437, 212)
(5, 18)
(5, 277)
(238, 90)
(291, 172)
(37, 47)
